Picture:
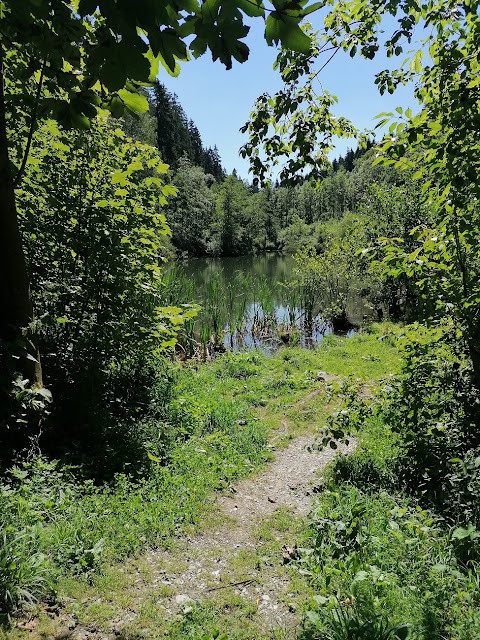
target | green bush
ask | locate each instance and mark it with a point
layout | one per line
(434, 409)
(386, 563)
(431, 416)
(94, 245)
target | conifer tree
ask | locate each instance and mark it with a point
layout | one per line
(198, 152)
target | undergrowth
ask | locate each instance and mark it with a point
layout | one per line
(392, 546)
(56, 522)
(380, 558)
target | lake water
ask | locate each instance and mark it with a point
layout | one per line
(246, 302)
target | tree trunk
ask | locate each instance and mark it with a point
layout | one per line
(18, 348)
(474, 348)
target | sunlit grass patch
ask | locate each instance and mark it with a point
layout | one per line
(217, 427)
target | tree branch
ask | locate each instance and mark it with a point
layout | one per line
(18, 177)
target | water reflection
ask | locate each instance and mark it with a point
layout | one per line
(246, 304)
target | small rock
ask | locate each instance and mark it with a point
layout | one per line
(26, 625)
(292, 608)
(265, 598)
(187, 610)
(183, 599)
(271, 500)
(289, 553)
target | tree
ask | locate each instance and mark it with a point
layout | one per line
(213, 163)
(440, 143)
(328, 281)
(94, 248)
(74, 56)
(231, 215)
(197, 145)
(190, 214)
(173, 132)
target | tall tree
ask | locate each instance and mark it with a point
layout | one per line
(197, 145)
(213, 163)
(190, 214)
(173, 134)
(72, 56)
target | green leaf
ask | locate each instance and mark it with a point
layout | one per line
(87, 7)
(135, 102)
(313, 7)
(253, 8)
(295, 39)
(80, 121)
(402, 631)
(470, 532)
(116, 107)
(113, 75)
(286, 30)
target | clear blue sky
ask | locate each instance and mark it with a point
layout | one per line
(219, 101)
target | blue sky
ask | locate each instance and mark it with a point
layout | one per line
(219, 101)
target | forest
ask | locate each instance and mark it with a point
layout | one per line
(238, 409)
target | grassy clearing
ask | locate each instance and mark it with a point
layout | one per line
(380, 561)
(62, 534)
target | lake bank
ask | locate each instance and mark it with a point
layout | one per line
(252, 302)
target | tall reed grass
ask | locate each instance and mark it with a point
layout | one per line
(240, 312)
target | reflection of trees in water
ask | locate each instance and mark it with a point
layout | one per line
(246, 303)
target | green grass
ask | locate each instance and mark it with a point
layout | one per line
(394, 558)
(399, 560)
(216, 428)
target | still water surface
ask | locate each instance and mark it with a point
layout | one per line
(254, 306)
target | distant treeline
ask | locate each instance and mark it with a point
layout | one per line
(219, 214)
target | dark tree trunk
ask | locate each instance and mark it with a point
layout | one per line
(17, 338)
(474, 348)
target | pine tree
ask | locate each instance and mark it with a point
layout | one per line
(173, 135)
(198, 152)
(213, 164)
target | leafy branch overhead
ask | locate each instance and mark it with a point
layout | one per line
(296, 125)
(97, 53)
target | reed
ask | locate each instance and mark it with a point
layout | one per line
(238, 312)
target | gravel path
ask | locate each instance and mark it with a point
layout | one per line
(203, 566)
(207, 558)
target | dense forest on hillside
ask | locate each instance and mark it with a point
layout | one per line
(221, 215)
(124, 408)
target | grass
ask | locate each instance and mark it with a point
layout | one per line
(219, 423)
(378, 559)
(381, 556)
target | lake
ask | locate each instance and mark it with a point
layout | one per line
(246, 303)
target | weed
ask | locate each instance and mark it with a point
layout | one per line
(24, 572)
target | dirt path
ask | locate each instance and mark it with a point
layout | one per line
(224, 561)
(237, 563)
(288, 482)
